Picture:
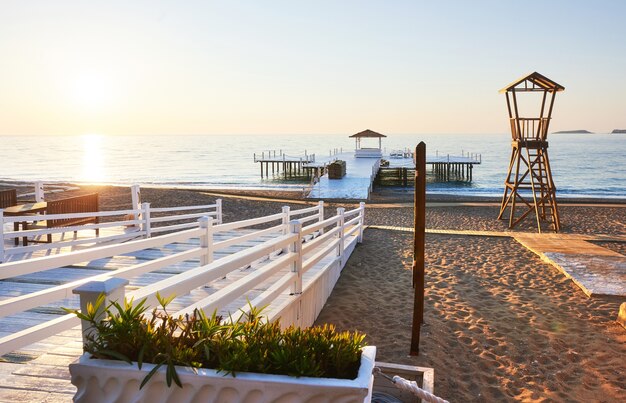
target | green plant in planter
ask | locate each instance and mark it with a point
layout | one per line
(128, 332)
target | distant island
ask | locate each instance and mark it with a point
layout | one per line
(574, 131)
(615, 131)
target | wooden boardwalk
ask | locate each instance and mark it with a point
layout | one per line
(39, 372)
(67, 236)
(596, 270)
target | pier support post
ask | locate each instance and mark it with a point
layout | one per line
(112, 289)
(206, 240)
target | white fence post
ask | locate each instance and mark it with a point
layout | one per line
(321, 215)
(296, 247)
(1, 236)
(145, 218)
(285, 224)
(219, 211)
(340, 212)
(39, 194)
(113, 290)
(361, 221)
(285, 219)
(206, 240)
(135, 195)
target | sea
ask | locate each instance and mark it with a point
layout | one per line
(583, 165)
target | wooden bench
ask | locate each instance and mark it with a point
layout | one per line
(79, 204)
(8, 198)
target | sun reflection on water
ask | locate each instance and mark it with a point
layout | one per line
(93, 159)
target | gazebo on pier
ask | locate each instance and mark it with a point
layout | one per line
(370, 152)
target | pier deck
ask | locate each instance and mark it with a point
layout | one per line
(356, 184)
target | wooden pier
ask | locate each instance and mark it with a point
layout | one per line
(443, 168)
(363, 173)
(290, 166)
(363, 167)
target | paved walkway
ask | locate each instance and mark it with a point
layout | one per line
(596, 270)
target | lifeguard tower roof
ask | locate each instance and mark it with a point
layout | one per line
(368, 133)
(537, 82)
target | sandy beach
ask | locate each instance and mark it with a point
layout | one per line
(500, 324)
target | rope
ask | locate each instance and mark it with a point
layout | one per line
(411, 386)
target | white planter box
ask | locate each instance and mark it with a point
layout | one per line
(117, 381)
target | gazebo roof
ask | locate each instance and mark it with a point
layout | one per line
(537, 82)
(368, 133)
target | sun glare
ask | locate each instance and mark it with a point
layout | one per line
(92, 91)
(93, 159)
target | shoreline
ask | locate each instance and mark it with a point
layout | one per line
(380, 195)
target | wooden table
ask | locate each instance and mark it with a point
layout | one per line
(24, 210)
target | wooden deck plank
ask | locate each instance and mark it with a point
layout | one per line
(21, 395)
(29, 383)
(59, 276)
(45, 371)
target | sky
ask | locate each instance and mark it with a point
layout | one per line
(303, 67)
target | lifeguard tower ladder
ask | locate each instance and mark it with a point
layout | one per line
(529, 173)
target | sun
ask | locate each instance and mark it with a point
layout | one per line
(92, 90)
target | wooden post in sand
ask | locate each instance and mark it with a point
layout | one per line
(419, 226)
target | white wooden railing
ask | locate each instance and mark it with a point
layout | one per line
(297, 257)
(281, 157)
(139, 222)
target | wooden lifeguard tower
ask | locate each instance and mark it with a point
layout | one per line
(529, 186)
(362, 152)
